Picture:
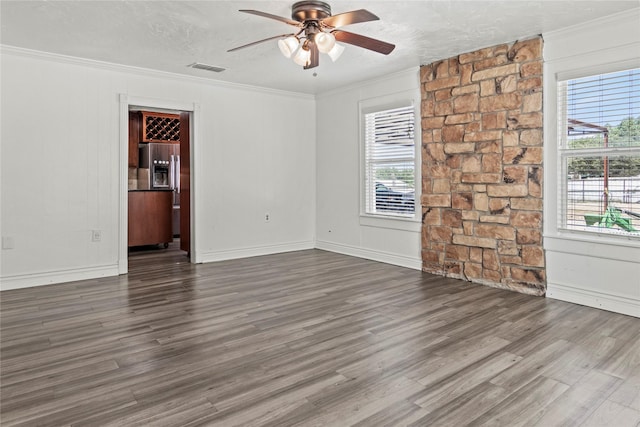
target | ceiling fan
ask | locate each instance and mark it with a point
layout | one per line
(318, 32)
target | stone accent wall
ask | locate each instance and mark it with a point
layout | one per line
(482, 167)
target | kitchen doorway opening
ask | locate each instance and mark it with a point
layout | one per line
(156, 203)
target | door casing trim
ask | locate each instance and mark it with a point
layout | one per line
(127, 101)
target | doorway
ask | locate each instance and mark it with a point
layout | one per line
(153, 182)
(159, 176)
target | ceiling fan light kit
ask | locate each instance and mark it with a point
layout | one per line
(325, 41)
(335, 53)
(318, 33)
(288, 46)
(302, 56)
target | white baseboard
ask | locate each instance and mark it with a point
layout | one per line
(50, 277)
(627, 305)
(386, 257)
(253, 251)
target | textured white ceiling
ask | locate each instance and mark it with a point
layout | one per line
(169, 35)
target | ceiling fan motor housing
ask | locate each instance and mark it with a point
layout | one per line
(310, 10)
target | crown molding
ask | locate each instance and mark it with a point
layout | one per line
(364, 83)
(626, 17)
(147, 72)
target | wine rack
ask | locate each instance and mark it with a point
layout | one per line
(160, 127)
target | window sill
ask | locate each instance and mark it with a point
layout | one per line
(390, 222)
(589, 246)
(584, 236)
(601, 233)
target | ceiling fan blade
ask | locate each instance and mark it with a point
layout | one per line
(363, 41)
(314, 59)
(281, 36)
(347, 18)
(276, 17)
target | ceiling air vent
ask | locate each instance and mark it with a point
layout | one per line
(206, 67)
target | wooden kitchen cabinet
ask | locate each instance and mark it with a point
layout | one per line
(159, 127)
(134, 138)
(150, 216)
(147, 126)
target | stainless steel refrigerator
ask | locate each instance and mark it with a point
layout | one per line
(162, 161)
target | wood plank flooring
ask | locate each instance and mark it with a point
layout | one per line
(309, 338)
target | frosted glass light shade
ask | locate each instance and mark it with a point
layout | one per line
(302, 56)
(288, 46)
(325, 42)
(335, 52)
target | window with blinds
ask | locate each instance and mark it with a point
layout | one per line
(389, 156)
(599, 153)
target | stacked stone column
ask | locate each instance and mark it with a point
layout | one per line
(482, 167)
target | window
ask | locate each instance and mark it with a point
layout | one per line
(389, 162)
(599, 153)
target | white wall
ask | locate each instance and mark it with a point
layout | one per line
(595, 270)
(60, 157)
(339, 226)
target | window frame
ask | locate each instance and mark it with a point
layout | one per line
(562, 153)
(383, 103)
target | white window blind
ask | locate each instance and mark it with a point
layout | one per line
(599, 136)
(390, 162)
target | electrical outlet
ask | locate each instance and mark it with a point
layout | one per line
(7, 242)
(267, 217)
(96, 235)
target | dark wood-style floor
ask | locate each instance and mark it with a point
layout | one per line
(309, 338)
